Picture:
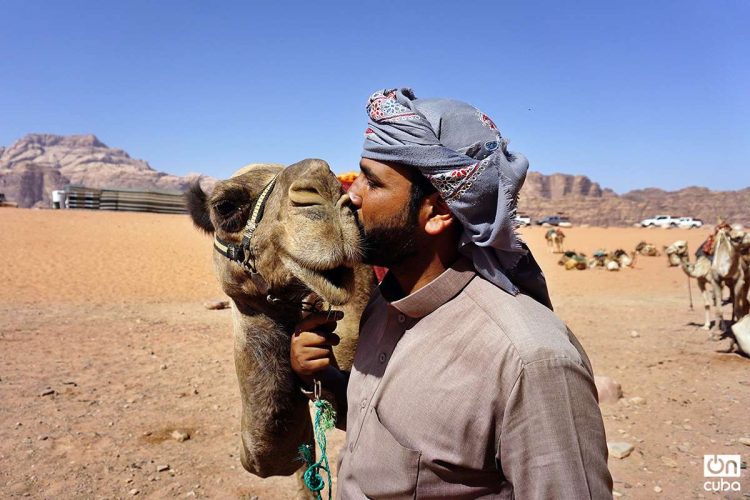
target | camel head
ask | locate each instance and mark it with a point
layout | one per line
(306, 240)
(676, 252)
(739, 237)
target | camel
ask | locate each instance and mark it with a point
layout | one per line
(729, 265)
(602, 259)
(647, 249)
(304, 250)
(708, 282)
(555, 238)
(741, 242)
(623, 258)
(572, 260)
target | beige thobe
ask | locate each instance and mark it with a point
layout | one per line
(461, 390)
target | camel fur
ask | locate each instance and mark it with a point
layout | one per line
(306, 244)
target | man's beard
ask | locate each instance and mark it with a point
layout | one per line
(392, 241)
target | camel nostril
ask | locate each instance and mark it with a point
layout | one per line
(345, 200)
(303, 194)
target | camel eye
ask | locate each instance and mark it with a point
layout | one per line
(225, 208)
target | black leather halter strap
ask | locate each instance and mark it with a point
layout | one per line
(243, 253)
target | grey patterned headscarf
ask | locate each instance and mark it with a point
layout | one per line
(460, 150)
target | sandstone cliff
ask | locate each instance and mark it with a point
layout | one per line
(585, 202)
(39, 163)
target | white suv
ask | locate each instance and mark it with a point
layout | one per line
(522, 220)
(661, 221)
(689, 222)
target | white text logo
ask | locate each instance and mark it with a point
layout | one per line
(722, 466)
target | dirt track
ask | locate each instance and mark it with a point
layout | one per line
(105, 309)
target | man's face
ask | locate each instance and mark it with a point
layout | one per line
(387, 215)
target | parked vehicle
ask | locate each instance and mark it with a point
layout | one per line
(522, 220)
(689, 223)
(661, 221)
(555, 220)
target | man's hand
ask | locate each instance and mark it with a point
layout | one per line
(311, 344)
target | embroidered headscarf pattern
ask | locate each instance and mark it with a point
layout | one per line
(383, 106)
(460, 150)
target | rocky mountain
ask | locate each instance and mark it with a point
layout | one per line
(39, 163)
(585, 202)
(561, 186)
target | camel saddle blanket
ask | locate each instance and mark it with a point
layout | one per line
(708, 245)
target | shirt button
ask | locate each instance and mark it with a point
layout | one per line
(382, 357)
(401, 318)
(351, 447)
(363, 404)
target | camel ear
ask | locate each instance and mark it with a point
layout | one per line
(197, 207)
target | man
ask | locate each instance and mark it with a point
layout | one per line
(465, 384)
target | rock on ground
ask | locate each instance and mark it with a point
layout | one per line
(609, 390)
(620, 449)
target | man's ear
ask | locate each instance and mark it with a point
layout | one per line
(437, 216)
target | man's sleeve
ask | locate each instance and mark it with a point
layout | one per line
(551, 437)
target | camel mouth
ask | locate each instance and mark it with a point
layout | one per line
(338, 276)
(335, 284)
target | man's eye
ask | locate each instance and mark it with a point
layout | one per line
(371, 183)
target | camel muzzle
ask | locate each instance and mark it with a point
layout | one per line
(243, 255)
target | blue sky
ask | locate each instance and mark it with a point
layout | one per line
(632, 94)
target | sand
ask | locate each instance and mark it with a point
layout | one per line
(105, 310)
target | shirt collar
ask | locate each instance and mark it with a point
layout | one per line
(433, 295)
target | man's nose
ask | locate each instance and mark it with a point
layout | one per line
(355, 191)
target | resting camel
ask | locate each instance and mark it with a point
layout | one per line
(647, 249)
(304, 250)
(572, 260)
(623, 258)
(555, 238)
(602, 259)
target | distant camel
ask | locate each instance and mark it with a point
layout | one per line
(647, 249)
(604, 260)
(708, 282)
(623, 258)
(555, 238)
(572, 260)
(729, 266)
(742, 241)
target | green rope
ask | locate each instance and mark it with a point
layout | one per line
(325, 419)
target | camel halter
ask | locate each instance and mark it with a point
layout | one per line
(242, 253)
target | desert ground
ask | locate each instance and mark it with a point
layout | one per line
(106, 349)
